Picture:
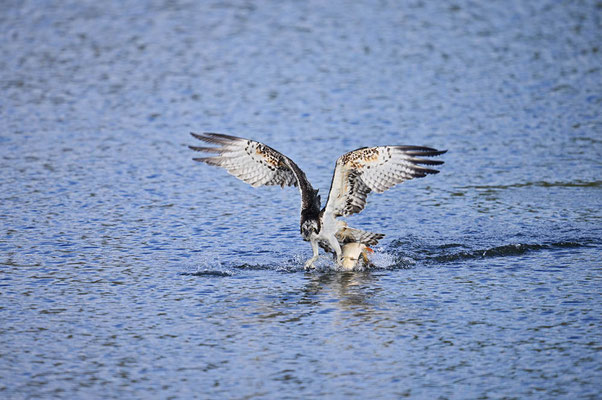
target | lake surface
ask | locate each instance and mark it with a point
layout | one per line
(129, 271)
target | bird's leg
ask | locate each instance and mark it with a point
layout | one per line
(309, 264)
(336, 247)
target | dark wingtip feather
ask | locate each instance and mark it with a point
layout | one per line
(414, 148)
(426, 162)
(436, 153)
(421, 172)
(197, 136)
(429, 171)
(208, 160)
(222, 136)
(203, 137)
(214, 138)
(421, 151)
(205, 149)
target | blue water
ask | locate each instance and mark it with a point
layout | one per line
(129, 271)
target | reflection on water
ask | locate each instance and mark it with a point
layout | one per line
(129, 271)
(349, 288)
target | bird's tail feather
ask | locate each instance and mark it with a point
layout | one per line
(348, 235)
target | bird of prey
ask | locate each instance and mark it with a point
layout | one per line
(356, 174)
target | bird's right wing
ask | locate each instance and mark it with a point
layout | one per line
(254, 162)
(248, 160)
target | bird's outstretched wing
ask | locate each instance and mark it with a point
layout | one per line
(361, 171)
(255, 163)
(248, 160)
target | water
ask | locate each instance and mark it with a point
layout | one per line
(128, 270)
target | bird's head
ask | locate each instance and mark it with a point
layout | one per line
(308, 227)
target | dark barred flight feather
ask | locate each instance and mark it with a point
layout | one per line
(359, 172)
(248, 160)
(258, 165)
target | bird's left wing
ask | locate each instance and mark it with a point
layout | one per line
(250, 161)
(361, 171)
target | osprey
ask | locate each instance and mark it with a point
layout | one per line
(356, 174)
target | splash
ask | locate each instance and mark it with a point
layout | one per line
(209, 273)
(421, 251)
(208, 266)
(382, 259)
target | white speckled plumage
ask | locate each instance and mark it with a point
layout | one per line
(248, 160)
(361, 171)
(356, 174)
